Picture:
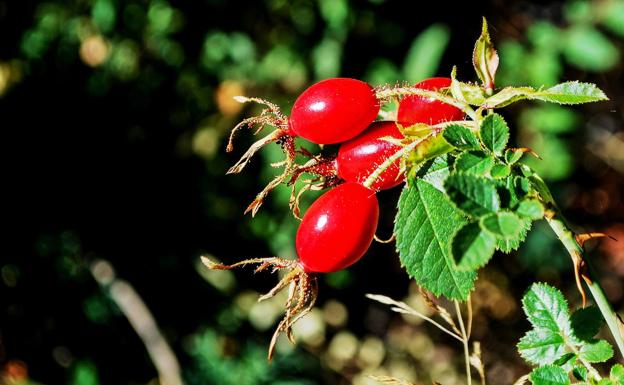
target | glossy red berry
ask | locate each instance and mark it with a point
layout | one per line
(417, 109)
(337, 229)
(359, 157)
(333, 110)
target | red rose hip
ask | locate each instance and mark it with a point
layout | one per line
(333, 110)
(359, 157)
(418, 109)
(337, 229)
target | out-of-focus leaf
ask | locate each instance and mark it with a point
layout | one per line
(549, 119)
(614, 16)
(424, 55)
(588, 49)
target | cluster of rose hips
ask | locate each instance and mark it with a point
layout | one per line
(340, 225)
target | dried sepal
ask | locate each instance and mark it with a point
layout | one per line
(302, 290)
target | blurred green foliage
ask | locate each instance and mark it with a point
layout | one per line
(173, 68)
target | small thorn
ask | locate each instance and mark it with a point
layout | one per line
(582, 238)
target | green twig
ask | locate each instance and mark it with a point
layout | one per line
(581, 261)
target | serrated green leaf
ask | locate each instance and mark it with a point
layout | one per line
(461, 137)
(500, 171)
(494, 133)
(424, 227)
(571, 93)
(606, 381)
(435, 171)
(549, 375)
(474, 195)
(541, 346)
(423, 57)
(598, 351)
(531, 209)
(508, 245)
(484, 58)
(472, 247)
(566, 361)
(505, 225)
(580, 372)
(512, 190)
(513, 155)
(586, 323)
(617, 373)
(474, 162)
(546, 308)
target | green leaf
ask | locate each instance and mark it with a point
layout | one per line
(461, 137)
(531, 209)
(549, 375)
(580, 372)
(614, 17)
(541, 346)
(473, 247)
(466, 92)
(424, 55)
(508, 245)
(494, 133)
(499, 171)
(549, 118)
(586, 323)
(566, 361)
(546, 308)
(424, 227)
(512, 190)
(587, 48)
(606, 381)
(599, 351)
(571, 93)
(484, 58)
(474, 162)
(435, 171)
(503, 224)
(507, 96)
(513, 155)
(474, 195)
(617, 373)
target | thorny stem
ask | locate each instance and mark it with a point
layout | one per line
(582, 265)
(577, 253)
(464, 342)
(386, 93)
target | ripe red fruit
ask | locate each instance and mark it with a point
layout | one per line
(359, 157)
(333, 110)
(337, 229)
(417, 109)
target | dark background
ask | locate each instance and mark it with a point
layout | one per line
(129, 167)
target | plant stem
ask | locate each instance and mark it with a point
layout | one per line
(464, 342)
(575, 250)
